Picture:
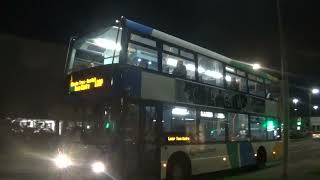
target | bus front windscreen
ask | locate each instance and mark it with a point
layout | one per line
(99, 49)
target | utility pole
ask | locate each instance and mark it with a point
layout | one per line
(309, 109)
(284, 93)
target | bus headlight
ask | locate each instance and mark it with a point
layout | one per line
(98, 167)
(62, 161)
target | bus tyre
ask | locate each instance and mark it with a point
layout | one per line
(261, 158)
(178, 170)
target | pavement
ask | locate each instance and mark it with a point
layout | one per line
(30, 162)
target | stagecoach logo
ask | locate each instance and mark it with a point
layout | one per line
(178, 138)
(85, 84)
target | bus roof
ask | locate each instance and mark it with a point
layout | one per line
(179, 42)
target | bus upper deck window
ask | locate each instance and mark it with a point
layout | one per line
(178, 67)
(186, 54)
(100, 49)
(143, 40)
(210, 71)
(170, 49)
(236, 82)
(142, 56)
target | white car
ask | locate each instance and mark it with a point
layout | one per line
(316, 135)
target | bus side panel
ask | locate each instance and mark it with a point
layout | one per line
(233, 153)
(240, 154)
(271, 108)
(217, 157)
(167, 151)
(157, 87)
(209, 158)
(204, 158)
(273, 148)
(246, 154)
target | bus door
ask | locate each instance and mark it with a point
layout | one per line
(141, 155)
(130, 132)
(150, 144)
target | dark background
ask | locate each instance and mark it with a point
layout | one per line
(32, 74)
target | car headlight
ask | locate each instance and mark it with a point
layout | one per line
(62, 161)
(316, 135)
(98, 167)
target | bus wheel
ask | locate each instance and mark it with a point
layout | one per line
(178, 170)
(261, 158)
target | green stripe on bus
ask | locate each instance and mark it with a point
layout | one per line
(233, 154)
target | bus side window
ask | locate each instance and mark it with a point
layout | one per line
(212, 127)
(180, 121)
(238, 127)
(143, 57)
(258, 130)
(178, 67)
(210, 71)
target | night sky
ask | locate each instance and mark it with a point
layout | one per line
(246, 30)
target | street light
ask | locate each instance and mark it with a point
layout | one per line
(256, 66)
(315, 91)
(295, 100)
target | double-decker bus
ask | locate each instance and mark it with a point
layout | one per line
(158, 107)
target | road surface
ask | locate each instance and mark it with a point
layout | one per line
(304, 163)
